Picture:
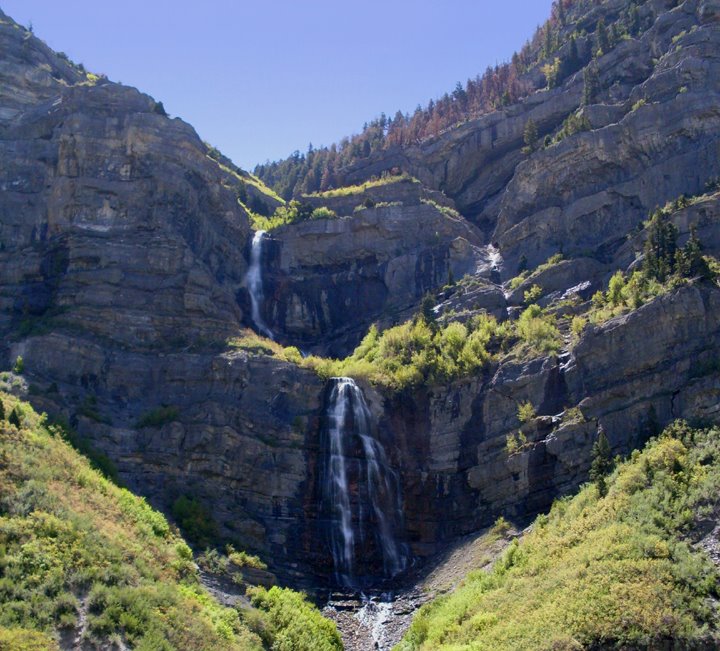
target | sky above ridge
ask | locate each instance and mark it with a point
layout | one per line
(261, 79)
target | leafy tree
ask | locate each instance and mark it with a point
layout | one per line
(195, 520)
(615, 287)
(553, 73)
(602, 463)
(526, 412)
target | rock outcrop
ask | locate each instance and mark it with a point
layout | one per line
(327, 280)
(628, 377)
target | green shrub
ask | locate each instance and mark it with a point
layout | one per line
(526, 412)
(418, 352)
(577, 325)
(195, 520)
(372, 183)
(532, 294)
(99, 460)
(158, 417)
(574, 123)
(292, 623)
(518, 280)
(243, 559)
(515, 442)
(573, 415)
(66, 531)
(538, 331)
(23, 639)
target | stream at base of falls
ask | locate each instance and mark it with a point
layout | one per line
(373, 622)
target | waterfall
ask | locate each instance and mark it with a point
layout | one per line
(342, 536)
(355, 457)
(254, 283)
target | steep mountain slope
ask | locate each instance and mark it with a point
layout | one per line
(88, 565)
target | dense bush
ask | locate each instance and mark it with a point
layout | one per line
(291, 213)
(614, 571)
(291, 623)
(418, 352)
(538, 331)
(195, 520)
(158, 417)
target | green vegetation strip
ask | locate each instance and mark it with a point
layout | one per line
(422, 351)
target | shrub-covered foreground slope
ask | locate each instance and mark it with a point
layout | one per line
(626, 570)
(83, 561)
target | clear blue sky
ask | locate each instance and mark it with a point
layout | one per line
(260, 79)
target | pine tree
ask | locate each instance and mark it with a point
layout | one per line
(634, 20)
(530, 136)
(660, 247)
(602, 38)
(574, 57)
(548, 46)
(689, 261)
(14, 418)
(591, 85)
(427, 310)
(570, 63)
(522, 264)
(2, 410)
(602, 463)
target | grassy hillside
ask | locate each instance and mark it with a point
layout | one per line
(82, 559)
(619, 571)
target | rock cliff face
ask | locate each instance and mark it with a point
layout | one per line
(327, 280)
(123, 254)
(125, 248)
(653, 135)
(105, 202)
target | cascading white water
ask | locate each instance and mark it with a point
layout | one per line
(342, 536)
(254, 282)
(350, 423)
